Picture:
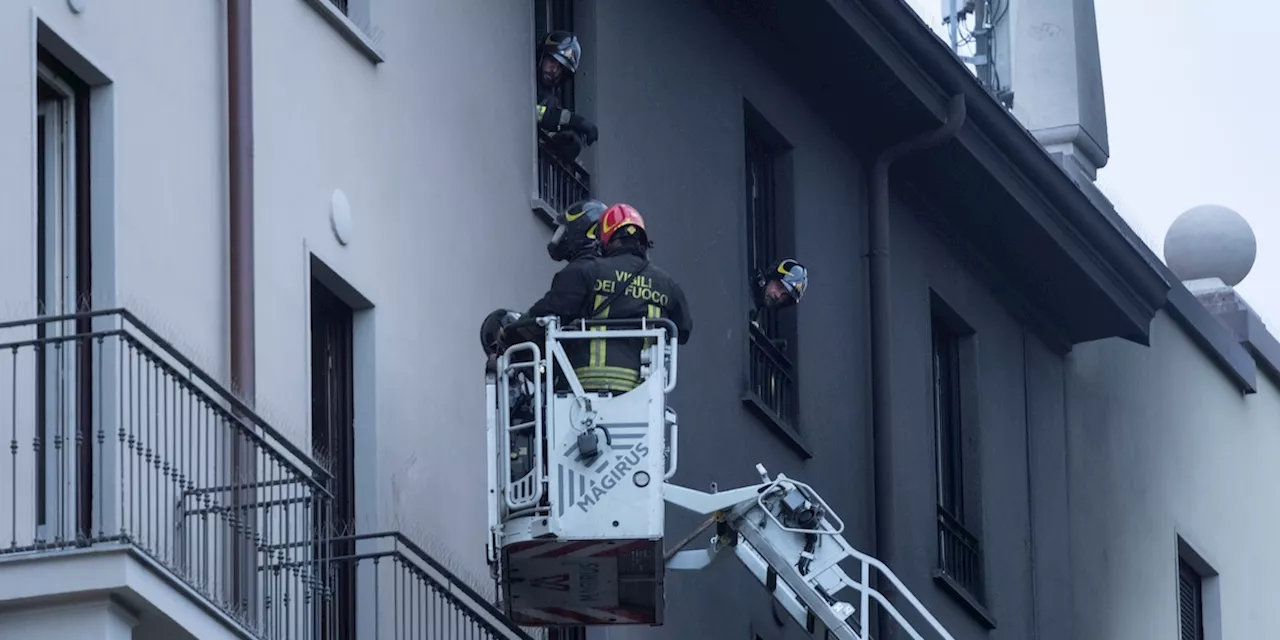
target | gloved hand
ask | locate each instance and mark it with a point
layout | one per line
(584, 127)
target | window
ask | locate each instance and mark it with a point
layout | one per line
(1199, 596)
(772, 388)
(341, 5)
(561, 178)
(333, 442)
(960, 561)
(64, 383)
(553, 15)
(1190, 603)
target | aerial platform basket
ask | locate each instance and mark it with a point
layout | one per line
(576, 526)
(578, 486)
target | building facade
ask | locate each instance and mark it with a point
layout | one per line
(1171, 447)
(245, 418)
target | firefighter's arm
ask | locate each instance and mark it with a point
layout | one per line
(556, 119)
(548, 117)
(568, 293)
(680, 314)
(552, 118)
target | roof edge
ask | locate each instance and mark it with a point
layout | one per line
(1135, 288)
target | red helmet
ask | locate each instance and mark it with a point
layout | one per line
(620, 217)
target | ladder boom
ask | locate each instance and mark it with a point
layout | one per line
(790, 540)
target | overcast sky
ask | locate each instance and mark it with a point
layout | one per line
(1190, 86)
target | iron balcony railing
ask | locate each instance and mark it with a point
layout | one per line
(771, 377)
(385, 586)
(114, 437)
(959, 554)
(560, 182)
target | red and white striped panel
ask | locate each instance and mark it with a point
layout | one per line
(576, 549)
(549, 616)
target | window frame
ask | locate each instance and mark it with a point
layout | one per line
(557, 182)
(554, 15)
(1191, 562)
(960, 555)
(64, 272)
(769, 235)
(353, 22)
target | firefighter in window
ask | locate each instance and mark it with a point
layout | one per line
(780, 286)
(558, 56)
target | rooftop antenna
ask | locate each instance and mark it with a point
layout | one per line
(974, 45)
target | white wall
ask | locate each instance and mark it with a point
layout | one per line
(1163, 445)
(434, 149)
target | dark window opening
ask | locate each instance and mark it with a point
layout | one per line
(64, 436)
(333, 443)
(561, 180)
(1190, 602)
(770, 237)
(959, 549)
(555, 15)
(341, 5)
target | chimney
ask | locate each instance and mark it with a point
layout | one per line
(1046, 53)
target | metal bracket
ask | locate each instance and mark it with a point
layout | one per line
(562, 358)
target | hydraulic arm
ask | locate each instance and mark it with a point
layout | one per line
(790, 540)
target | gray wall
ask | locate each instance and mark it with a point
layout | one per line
(1164, 447)
(666, 80)
(435, 152)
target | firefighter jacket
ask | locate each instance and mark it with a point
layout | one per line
(552, 116)
(622, 286)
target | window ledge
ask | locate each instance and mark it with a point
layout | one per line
(965, 598)
(349, 31)
(543, 211)
(785, 431)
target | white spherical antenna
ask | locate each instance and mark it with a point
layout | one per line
(1210, 241)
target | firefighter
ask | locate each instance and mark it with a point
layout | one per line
(780, 286)
(574, 242)
(558, 56)
(625, 286)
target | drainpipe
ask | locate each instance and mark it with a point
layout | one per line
(240, 262)
(240, 161)
(881, 342)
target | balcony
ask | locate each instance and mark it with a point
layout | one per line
(129, 467)
(560, 183)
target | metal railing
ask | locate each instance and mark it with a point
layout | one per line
(770, 377)
(959, 554)
(340, 5)
(115, 437)
(398, 592)
(560, 182)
